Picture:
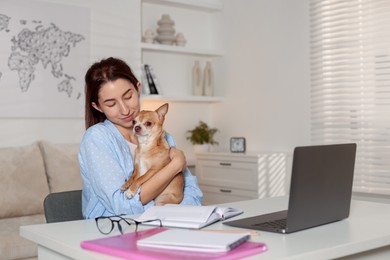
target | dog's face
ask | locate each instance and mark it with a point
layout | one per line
(149, 123)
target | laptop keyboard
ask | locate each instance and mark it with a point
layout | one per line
(274, 224)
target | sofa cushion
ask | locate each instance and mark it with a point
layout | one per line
(23, 182)
(12, 245)
(62, 166)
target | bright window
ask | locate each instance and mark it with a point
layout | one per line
(350, 84)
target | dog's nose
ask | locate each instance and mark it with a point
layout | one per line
(137, 129)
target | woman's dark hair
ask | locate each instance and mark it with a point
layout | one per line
(97, 75)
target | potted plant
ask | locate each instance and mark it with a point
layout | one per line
(202, 136)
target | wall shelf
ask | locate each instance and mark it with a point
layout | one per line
(186, 99)
(173, 64)
(179, 50)
(204, 5)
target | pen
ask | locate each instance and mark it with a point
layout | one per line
(249, 232)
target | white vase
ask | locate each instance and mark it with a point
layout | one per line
(180, 39)
(149, 36)
(197, 89)
(208, 80)
(201, 148)
(166, 30)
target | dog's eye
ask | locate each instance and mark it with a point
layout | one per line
(134, 122)
(148, 123)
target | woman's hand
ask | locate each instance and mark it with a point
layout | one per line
(178, 159)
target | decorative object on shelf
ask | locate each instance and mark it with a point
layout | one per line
(237, 145)
(197, 89)
(166, 30)
(149, 81)
(202, 135)
(149, 36)
(208, 80)
(180, 39)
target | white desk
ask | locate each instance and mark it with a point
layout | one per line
(366, 230)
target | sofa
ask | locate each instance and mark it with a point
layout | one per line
(28, 174)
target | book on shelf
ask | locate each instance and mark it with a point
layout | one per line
(125, 246)
(193, 240)
(149, 80)
(187, 216)
(144, 81)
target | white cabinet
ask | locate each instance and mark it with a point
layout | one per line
(227, 177)
(199, 21)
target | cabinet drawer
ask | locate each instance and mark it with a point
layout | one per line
(218, 195)
(231, 174)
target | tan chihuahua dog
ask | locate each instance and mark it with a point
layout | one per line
(151, 155)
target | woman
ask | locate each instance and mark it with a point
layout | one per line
(112, 101)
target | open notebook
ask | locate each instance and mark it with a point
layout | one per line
(187, 216)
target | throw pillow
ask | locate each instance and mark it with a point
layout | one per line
(23, 182)
(62, 166)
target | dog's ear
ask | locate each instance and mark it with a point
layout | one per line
(162, 111)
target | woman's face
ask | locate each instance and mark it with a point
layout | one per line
(119, 101)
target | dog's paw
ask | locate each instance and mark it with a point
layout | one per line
(129, 194)
(124, 187)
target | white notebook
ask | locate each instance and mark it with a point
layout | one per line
(187, 216)
(193, 240)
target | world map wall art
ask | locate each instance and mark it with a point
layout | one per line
(44, 54)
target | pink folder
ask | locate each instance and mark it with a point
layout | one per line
(125, 246)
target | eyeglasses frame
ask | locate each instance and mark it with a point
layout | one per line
(111, 218)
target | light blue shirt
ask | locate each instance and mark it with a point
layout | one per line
(106, 163)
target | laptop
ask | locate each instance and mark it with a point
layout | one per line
(320, 190)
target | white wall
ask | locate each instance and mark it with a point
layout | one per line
(265, 76)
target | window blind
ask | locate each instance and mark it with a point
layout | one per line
(350, 84)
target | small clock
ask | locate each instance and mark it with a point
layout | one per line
(237, 145)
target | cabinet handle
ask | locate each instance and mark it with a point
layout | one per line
(225, 190)
(225, 164)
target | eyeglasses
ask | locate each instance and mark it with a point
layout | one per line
(106, 224)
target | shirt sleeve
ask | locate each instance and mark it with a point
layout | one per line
(192, 193)
(105, 168)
